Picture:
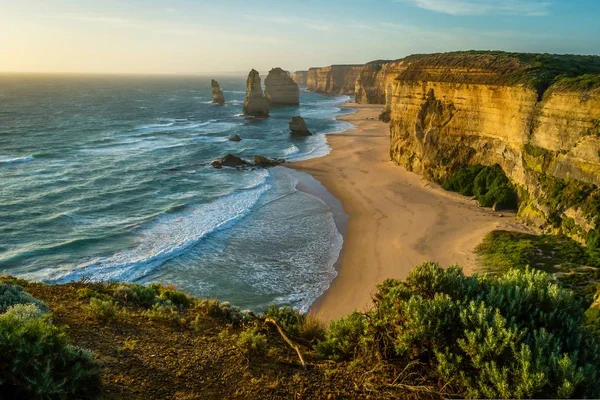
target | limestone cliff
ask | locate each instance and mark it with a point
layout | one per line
(256, 103)
(335, 79)
(370, 85)
(217, 93)
(514, 110)
(281, 89)
(300, 77)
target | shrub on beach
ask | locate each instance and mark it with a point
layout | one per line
(489, 185)
(515, 335)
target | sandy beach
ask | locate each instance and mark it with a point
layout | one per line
(396, 219)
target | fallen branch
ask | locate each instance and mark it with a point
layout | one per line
(287, 340)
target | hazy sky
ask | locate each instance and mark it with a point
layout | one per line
(190, 37)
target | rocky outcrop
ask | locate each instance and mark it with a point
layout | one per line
(298, 127)
(300, 77)
(217, 93)
(457, 109)
(230, 160)
(335, 79)
(234, 161)
(281, 89)
(235, 138)
(264, 162)
(256, 103)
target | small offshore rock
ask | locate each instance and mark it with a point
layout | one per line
(264, 162)
(230, 160)
(235, 138)
(298, 127)
(217, 93)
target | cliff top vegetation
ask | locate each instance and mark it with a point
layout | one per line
(536, 70)
(436, 334)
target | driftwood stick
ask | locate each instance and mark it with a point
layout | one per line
(287, 340)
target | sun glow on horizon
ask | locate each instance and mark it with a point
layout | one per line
(183, 37)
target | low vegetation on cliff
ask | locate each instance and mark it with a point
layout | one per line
(489, 185)
(439, 333)
(537, 70)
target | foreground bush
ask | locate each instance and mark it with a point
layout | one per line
(11, 295)
(36, 360)
(516, 335)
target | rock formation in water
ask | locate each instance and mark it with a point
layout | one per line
(335, 79)
(298, 127)
(217, 93)
(281, 89)
(230, 160)
(300, 77)
(456, 109)
(256, 103)
(235, 138)
(264, 162)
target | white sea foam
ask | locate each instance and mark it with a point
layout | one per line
(164, 238)
(13, 160)
(293, 149)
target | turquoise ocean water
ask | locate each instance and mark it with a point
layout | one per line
(106, 177)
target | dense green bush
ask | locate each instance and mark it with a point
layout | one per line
(288, 318)
(304, 326)
(489, 185)
(105, 310)
(148, 296)
(344, 338)
(252, 342)
(515, 335)
(37, 362)
(11, 295)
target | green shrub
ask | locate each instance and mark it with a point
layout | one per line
(288, 318)
(105, 310)
(515, 335)
(37, 362)
(223, 310)
(11, 295)
(164, 312)
(144, 296)
(344, 338)
(252, 342)
(25, 312)
(304, 326)
(174, 296)
(489, 185)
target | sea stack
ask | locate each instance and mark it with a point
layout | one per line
(280, 88)
(256, 103)
(217, 93)
(298, 127)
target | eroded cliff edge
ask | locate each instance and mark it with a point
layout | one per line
(537, 116)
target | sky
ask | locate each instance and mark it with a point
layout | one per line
(219, 36)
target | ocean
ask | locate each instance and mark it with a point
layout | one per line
(108, 178)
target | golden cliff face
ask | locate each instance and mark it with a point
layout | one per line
(300, 77)
(375, 81)
(444, 117)
(335, 79)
